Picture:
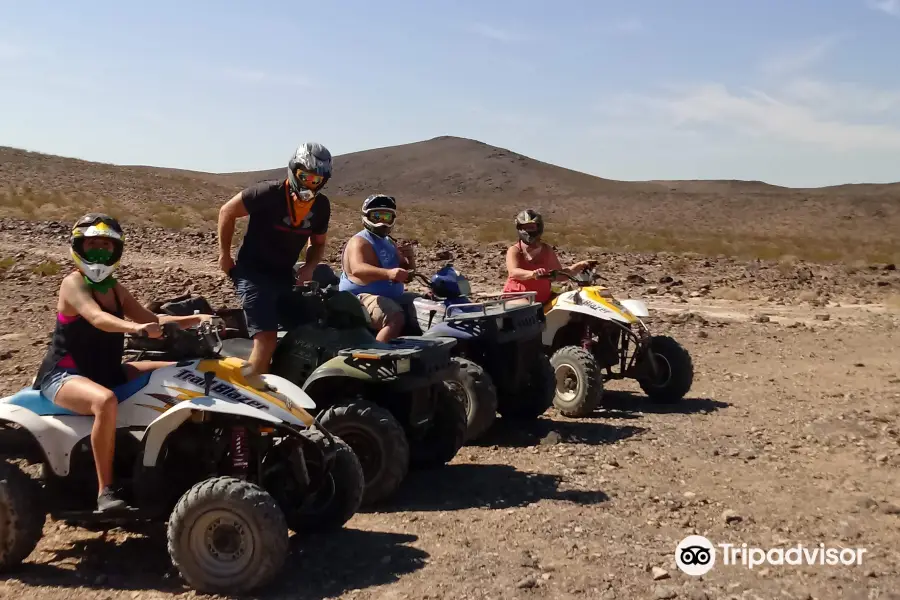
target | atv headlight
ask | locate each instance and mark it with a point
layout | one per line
(403, 365)
(499, 322)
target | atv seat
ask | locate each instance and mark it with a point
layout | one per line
(39, 404)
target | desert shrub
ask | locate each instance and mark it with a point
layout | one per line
(46, 268)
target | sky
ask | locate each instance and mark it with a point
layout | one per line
(792, 92)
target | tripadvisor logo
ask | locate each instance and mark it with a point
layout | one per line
(695, 555)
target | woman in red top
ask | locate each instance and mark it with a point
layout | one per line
(529, 259)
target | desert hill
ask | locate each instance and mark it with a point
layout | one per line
(444, 182)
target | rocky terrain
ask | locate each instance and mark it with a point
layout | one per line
(790, 435)
(788, 300)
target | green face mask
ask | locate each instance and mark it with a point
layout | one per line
(97, 255)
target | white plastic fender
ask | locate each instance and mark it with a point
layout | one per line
(636, 307)
(237, 347)
(560, 314)
(160, 428)
(294, 392)
(57, 435)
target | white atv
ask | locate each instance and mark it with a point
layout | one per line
(230, 461)
(587, 330)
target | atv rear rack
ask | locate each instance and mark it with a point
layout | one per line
(415, 357)
(489, 307)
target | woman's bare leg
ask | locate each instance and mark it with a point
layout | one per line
(83, 396)
(135, 369)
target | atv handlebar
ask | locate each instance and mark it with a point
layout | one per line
(581, 282)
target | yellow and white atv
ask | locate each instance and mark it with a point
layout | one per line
(588, 331)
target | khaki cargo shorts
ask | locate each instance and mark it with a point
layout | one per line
(380, 308)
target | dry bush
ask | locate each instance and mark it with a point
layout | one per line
(47, 267)
(787, 265)
(808, 296)
(730, 293)
(6, 263)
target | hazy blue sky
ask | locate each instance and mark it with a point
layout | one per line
(796, 92)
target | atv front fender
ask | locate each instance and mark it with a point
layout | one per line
(55, 436)
(335, 367)
(636, 307)
(159, 430)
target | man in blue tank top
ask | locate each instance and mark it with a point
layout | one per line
(375, 269)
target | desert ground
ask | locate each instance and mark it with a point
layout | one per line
(790, 435)
(788, 301)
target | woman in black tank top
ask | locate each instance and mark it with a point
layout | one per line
(84, 359)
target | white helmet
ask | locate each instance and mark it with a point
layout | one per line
(97, 225)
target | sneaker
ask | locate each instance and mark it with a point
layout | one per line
(107, 501)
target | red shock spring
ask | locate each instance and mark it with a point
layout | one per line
(239, 454)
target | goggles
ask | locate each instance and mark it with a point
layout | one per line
(381, 216)
(309, 180)
(527, 226)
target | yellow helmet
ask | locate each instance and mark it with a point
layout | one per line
(97, 225)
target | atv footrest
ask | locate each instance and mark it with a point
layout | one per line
(96, 516)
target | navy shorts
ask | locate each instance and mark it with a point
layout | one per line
(259, 295)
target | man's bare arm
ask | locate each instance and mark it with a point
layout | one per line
(362, 262)
(230, 212)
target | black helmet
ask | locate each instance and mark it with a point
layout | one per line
(379, 212)
(529, 225)
(96, 225)
(311, 163)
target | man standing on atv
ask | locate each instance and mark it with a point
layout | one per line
(375, 269)
(284, 215)
(83, 362)
(529, 261)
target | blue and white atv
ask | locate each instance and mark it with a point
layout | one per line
(498, 344)
(231, 461)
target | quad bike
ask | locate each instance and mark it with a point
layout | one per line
(588, 330)
(229, 461)
(388, 401)
(498, 347)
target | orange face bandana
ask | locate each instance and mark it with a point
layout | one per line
(297, 209)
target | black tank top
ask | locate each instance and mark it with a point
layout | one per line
(97, 354)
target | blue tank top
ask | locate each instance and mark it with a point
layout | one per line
(388, 258)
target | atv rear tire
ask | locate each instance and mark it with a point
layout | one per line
(377, 439)
(227, 536)
(445, 435)
(339, 496)
(579, 386)
(676, 371)
(534, 396)
(22, 515)
(480, 395)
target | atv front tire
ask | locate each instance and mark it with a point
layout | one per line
(227, 536)
(339, 496)
(675, 371)
(579, 386)
(480, 395)
(534, 396)
(21, 515)
(445, 435)
(377, 440)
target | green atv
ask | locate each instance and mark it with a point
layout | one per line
(393, 403)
